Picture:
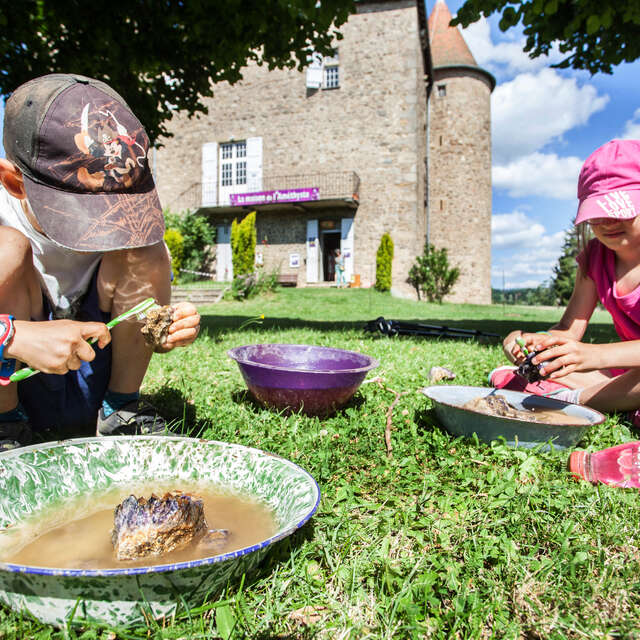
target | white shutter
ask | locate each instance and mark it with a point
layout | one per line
(254, 164)
(312, 250)
(224, 264)
(346, 246)
(209, 174)
(314, 72)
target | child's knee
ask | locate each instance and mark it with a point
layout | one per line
(16, 255)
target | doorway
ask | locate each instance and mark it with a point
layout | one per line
(330, 241)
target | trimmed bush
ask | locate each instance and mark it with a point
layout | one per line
(175, 242)
(384, 258)
(243, 245)
(431, 274)
(198, 236)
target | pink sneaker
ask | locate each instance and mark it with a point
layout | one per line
(506, 378)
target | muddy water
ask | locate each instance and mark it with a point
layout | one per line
(553, 416)
(498, 406)
(84, 541)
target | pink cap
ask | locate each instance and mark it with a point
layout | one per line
(609, 182)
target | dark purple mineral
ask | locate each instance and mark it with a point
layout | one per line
(156, 526)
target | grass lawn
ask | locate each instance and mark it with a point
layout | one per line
(444, 538)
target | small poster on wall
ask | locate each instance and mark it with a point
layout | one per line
(294, 260)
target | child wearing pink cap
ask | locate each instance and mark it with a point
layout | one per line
(603, 376)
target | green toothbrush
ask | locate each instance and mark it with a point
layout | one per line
(521, 344)
(140, 310)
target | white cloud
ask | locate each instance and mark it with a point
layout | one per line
(527, 253)
(534, 109)
(632, 127)
(507, 57)
(538, 174)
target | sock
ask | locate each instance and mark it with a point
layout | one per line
(114, 401)
(14, 415)
(566, 395)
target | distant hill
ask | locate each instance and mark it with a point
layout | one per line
(532, 296)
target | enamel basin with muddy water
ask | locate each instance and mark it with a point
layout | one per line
(60, 494)
(568, 426)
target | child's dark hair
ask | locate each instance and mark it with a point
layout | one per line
(584, 234)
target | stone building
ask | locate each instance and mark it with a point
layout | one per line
(355, 146)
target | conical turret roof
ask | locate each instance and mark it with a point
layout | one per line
(448, 48)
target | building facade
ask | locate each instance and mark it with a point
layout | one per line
(334, 157)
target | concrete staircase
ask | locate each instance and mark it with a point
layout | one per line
(200, 295)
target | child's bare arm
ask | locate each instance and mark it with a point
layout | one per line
(576, 316)
(572, 325)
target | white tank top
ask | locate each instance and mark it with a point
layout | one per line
(64, 274)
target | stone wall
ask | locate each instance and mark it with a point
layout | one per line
(459, 213)
(374, 124)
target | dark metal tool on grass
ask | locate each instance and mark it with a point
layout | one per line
(397, 328)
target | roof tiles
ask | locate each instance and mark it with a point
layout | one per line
(448, 47)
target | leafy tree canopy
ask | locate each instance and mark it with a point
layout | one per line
(596, 34)
(564, 273)
(162, 55)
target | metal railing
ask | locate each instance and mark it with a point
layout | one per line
(342, 185)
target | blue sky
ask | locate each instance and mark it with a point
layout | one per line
(545, 122)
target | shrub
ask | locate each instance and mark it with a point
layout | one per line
(243, 245)
(174, 240)
(384, 258)
(253, 284)
(431, 274)
(198, 237)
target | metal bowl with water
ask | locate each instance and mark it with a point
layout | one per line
(448, 406)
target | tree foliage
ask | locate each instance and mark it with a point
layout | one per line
(431, 275)
(197, 243)
(243, 245)
(564, 273)
(384, 258)
(542, 295)
(595, 35)
(162, 55)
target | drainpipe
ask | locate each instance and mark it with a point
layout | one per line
(427, 181)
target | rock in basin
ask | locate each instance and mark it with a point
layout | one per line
(156, 526)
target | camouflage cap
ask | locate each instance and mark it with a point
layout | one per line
(83, 156)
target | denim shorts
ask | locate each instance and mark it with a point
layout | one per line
(69, 403)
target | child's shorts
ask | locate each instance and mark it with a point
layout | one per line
(69, 403)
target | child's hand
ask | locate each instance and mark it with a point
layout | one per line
(56, 346)
(514, 351)
(562, 356)
(185, 326)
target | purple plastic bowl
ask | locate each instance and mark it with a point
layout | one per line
(301, 377)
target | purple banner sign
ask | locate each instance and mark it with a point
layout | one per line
(271, 197)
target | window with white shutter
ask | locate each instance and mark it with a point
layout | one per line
(209, 179)
(323, 72)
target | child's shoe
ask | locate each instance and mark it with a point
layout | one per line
(15, 434)
(505, 377)
(634, 418)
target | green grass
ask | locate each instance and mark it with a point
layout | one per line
(444, 538)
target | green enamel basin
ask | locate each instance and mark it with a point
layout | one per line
(36, 479)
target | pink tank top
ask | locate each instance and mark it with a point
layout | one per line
(599, 264)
